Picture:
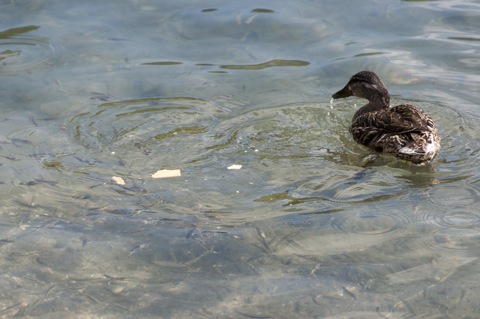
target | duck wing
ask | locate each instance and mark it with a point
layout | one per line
(401, 119)
(399, 125)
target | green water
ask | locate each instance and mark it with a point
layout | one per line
(302, 229)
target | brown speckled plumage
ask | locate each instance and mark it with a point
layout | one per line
(403, 130)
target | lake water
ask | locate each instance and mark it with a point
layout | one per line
(302, 229)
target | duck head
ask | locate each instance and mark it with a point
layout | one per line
(367, 85)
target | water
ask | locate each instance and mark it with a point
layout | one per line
(303, 229)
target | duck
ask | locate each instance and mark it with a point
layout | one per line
(404, 130)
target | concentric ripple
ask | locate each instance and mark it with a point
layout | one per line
(287, 131)
(451, 207)
(459, 220)
(24, 52)
(149, 124)
(378, 224)
(467, 240)
(180, 131)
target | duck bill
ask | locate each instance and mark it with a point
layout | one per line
(345, 92)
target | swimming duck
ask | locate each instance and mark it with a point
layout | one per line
(403, 130)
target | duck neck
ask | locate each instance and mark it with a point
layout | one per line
(375, 103)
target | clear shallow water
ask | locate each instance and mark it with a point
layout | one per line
(303, 229)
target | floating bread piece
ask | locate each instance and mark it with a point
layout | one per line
(118, 180)
(235, 166)
(167, 173)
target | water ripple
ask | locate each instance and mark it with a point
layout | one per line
(467, 240)
(146, 124)
(296, 130)
(459, 220)
(379, 224)
(24, 52)
(269, 64)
